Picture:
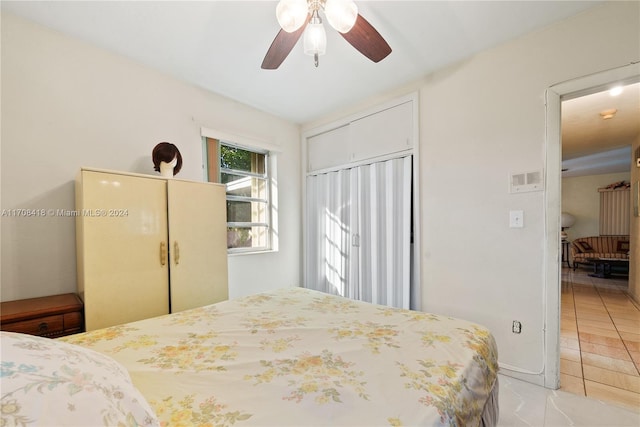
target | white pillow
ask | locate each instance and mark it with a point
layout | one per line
(49, 382)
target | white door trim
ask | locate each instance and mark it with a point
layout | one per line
(554, 95)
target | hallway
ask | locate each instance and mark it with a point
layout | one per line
(599, 339)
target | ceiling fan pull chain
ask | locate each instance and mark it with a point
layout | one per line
(316, 59)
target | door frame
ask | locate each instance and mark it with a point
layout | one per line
(554, 96)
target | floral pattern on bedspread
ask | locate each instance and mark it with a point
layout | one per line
(296, 357)
(322, 375)
(190, 411)
(375, 334)
(195, 353)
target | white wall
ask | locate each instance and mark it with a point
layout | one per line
(481, 120)
(475, 265)
(580, 198)
(65, 105)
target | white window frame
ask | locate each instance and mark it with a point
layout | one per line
(270, 153)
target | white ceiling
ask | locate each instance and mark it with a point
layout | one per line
(219, 45)
(592, 145)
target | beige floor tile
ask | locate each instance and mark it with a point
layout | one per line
(635, 356)
(603, 350)
(584, 288)
(632, 346)
(571, 368)
(626, 309)
(613, 395)
(589, 302)
(627, 328)
(612, 378)
(589, 305)
(594, 317)
(604, 362)
(569, 335)
(628, 336)
(586, 303)
(608, 350)
(608, 325)
(635, 324)
(602, 340)
(611, 333)
(572, 384)
(572, 355)
(619, 296)
(618, 316)
(570, 343)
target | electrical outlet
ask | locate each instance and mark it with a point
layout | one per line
(516, 327)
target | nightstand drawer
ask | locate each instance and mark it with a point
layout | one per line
(73, 322)
(52, 316)
(44, 326)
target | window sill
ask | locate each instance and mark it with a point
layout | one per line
(266, 251)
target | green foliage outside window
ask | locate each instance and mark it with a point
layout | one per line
(235, 158)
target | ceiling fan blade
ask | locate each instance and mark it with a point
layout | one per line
(281, 46)
(367, 40)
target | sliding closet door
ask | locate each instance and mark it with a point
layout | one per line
(384, 224)
(359, 230)
(329, 215)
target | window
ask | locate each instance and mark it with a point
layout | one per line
(245, 173)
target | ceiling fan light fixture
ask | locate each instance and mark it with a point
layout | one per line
(341, 14)
(615, 91)
(291, 14)
(315, 38)
(344, 13)
(608, 114)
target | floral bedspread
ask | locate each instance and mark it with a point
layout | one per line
(300, 357)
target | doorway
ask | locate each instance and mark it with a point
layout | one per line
(555, 95)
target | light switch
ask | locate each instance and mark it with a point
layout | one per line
(516, 219)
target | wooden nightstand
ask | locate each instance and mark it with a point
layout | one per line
(52, 316)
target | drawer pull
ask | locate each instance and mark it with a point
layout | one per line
(43, 327)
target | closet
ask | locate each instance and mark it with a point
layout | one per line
(360, 197)
(147, 245)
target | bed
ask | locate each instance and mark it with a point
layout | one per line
(289, 357)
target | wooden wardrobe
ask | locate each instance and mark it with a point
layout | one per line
(147, 245)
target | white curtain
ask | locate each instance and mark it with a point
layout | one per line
(359, 232)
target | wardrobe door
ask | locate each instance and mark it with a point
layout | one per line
(122, 248)
(197, 243)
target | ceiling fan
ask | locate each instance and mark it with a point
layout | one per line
(303, 16)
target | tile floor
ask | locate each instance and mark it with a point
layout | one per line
(526, 404)
(600, 339)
